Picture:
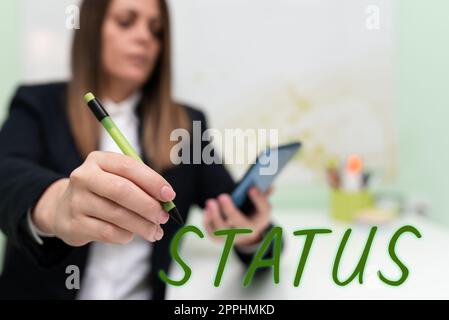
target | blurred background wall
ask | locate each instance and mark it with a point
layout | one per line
(9, 59)
(8, 63)
(422, 68)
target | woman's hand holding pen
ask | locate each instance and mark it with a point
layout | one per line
(232, 217)
(109, 198)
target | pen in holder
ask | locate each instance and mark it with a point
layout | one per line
(350, 194)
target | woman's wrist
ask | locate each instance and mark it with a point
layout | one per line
(42, 215)
(252, 240)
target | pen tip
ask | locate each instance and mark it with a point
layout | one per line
(174, 213)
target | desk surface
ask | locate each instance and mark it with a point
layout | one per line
(427, 259)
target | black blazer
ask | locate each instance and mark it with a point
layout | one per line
(36, 149)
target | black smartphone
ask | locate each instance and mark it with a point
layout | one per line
(262, 174)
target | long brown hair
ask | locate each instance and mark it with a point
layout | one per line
(160, 114)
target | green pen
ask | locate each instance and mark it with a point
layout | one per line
(101, 114)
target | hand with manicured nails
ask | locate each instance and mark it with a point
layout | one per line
(109, 198)
(232, 217)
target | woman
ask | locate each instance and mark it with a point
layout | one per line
(63, 203)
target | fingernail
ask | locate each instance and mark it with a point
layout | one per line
(163, 217)
(159, 234)
(167, 193)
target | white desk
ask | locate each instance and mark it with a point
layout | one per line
(427, 259)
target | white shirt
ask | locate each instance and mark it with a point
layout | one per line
(116, 272)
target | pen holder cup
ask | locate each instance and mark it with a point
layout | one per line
(346, 206)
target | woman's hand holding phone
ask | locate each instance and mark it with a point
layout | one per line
(109, 198)
(221, 213)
